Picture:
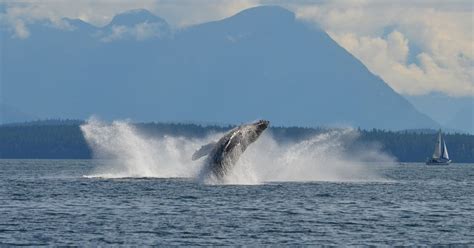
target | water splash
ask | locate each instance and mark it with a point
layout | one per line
(129, 153)
(320, 158)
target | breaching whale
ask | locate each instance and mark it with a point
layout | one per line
(223, 154)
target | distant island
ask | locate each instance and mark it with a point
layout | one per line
(63, 139)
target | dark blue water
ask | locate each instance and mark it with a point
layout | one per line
(48, 202)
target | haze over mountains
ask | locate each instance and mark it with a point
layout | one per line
(454, 113)
(260, 63)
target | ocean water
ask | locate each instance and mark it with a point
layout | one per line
(50, 202)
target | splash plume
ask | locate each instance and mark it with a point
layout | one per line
(126, 152)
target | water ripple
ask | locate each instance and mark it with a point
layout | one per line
(48, 202)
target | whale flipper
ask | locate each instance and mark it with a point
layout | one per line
(203, 151)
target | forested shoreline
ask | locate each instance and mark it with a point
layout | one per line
(64, 140)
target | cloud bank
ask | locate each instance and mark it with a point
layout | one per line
(417, 47)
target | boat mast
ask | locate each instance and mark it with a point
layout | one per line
(437, 152)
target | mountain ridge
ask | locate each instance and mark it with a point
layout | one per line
(230, 70)
(133, 17)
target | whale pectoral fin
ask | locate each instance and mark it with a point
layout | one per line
(233, 141)
(203, 151)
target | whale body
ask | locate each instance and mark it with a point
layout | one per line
(223, 154)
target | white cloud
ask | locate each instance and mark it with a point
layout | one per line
(117, 33)
(20, 30)
(442, 32)
(143, 31)
(388, 58)
(140, 31)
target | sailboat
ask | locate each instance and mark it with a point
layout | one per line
(440, 154)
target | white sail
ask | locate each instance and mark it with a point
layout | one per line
(437, 152)
(445, 151)
(440, 154)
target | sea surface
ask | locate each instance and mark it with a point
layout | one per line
(50, 202)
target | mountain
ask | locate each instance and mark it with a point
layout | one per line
(456, 113)
(134, 17)
(463, 120)
(259, 63)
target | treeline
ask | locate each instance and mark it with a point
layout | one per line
(408, 146)
(43, 141)
(54, 139)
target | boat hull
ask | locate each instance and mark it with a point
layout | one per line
(434, 162)
(440, 154)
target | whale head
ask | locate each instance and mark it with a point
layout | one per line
(261, 125)
(255, 130)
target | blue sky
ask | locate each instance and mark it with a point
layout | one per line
(417, 47)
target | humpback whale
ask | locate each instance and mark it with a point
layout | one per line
(223, 154)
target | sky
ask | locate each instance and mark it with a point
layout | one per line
(417, 47)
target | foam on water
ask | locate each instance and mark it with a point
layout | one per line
(129, 153)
